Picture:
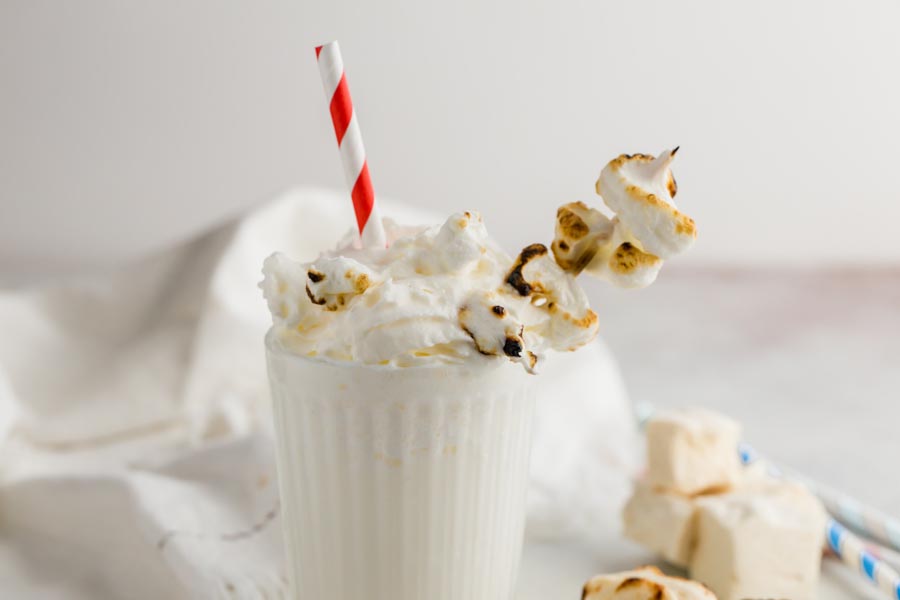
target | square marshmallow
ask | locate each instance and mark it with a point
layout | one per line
(662, 522)
(690, 451)
(645, 583)
(764, 541)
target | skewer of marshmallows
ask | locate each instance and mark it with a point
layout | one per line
(629, 249)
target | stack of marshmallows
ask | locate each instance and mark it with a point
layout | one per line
(739, 531)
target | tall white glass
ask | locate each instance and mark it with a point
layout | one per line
(401, 483)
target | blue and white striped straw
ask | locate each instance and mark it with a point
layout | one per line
(866, 520)
(863, 519)
(851, 551)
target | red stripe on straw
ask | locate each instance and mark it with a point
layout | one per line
(363, 197)
(341, 109)
(352, 153)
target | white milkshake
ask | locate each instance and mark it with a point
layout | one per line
(403, 405)
(403, 420)
(401, 483)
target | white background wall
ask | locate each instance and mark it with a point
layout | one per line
(124, 125)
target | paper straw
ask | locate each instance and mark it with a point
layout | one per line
(349, 139)
(865, 520)
(851, 551)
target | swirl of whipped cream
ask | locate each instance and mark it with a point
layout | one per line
(445, 294)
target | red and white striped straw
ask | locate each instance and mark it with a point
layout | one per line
(349, 138)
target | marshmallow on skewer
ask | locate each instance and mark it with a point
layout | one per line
(569, 322)
(628, 249)
(640, 189)
(587, 240)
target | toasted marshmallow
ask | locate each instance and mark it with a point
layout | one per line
(690, 451)
(581, 234)
(640, 190)
(644, 583)
(569, 321)
(587, 240)
(332, 281)
(494, 329)
(626, 265)
(662, 522)
(285, 291)
(763, 541)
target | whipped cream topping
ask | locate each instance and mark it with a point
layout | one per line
(444, 294)
(450, 294)
(628, 248)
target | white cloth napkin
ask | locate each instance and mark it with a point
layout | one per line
(136, 434)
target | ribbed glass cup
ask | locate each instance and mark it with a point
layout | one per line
(401, 483)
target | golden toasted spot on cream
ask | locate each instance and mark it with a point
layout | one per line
(650, 590)
(384, 362)
(628, 258)
(570, 224)
(671, 185)
(283, 310)
(362, 283)
(421, 353)
(312, 353)
(450, 450)
(588, 321)
(282, 287)
(462, 223)
(685, 226)
(638, 194)
(576, 265)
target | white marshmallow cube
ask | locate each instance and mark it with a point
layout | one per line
(690, 451)
(764, 541)
(662, 522)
